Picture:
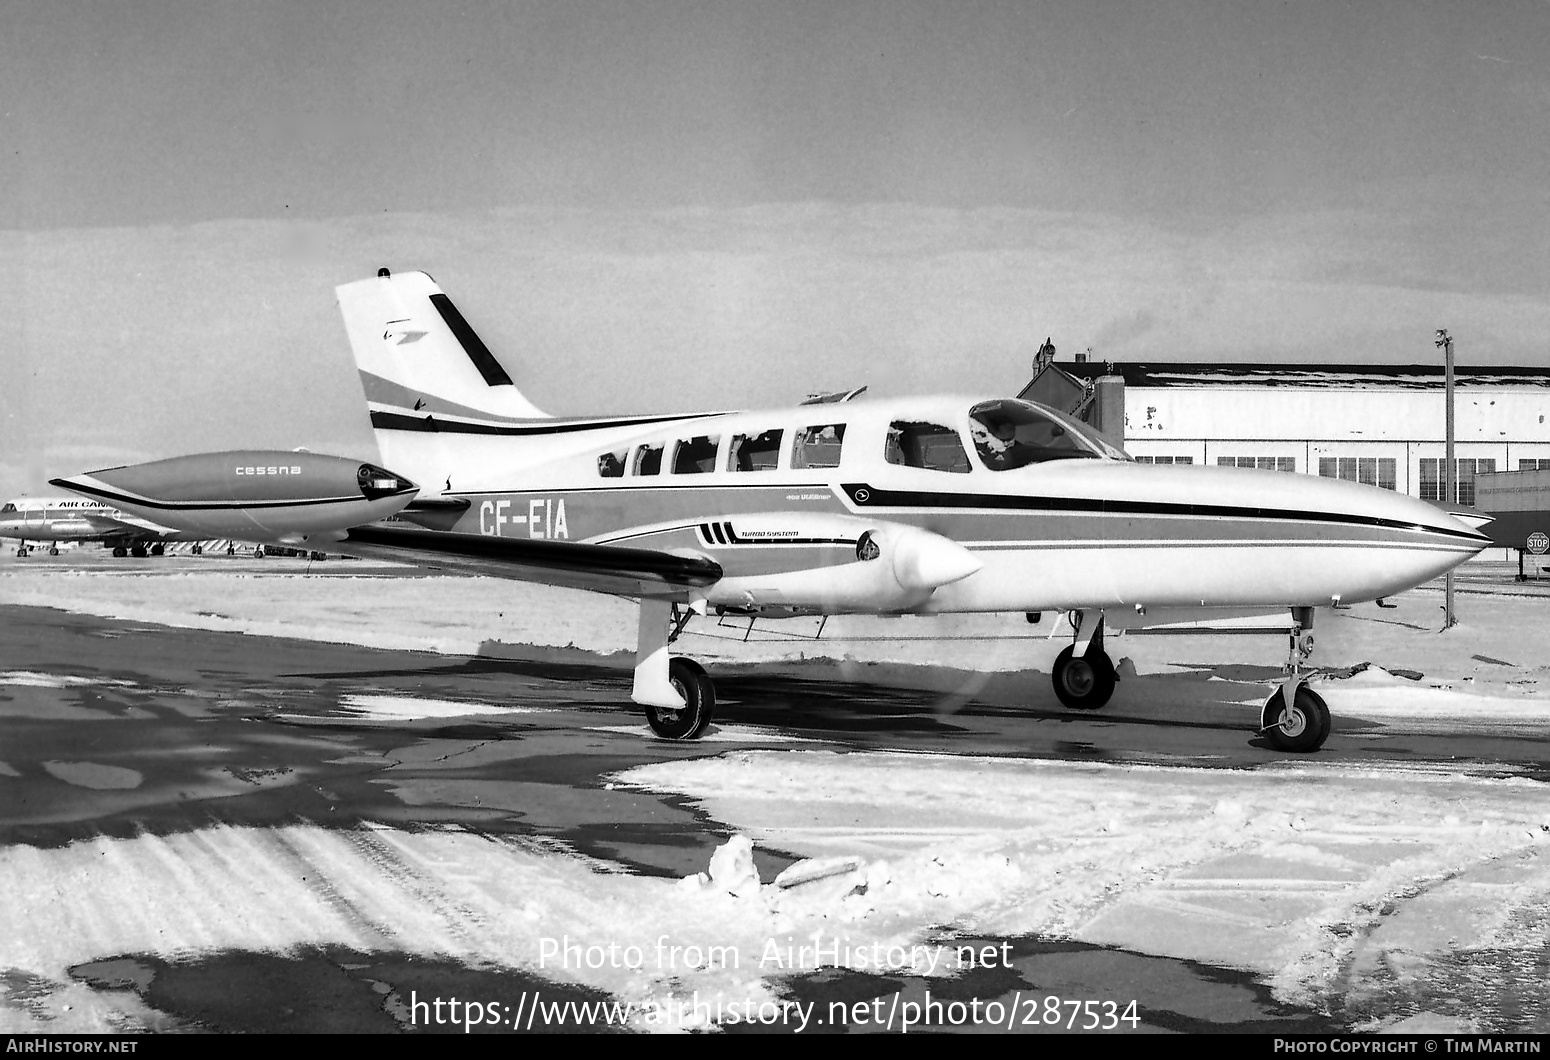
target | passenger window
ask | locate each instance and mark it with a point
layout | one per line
(611, 465)
(648, 460)
(926, 445)
(757, 452)
(694, 456)
(818, 446)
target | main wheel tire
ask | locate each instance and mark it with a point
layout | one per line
(138, 552)
(197, 550)
(158, 550)
(53, 550)
(687, 722)
(119, 551)
(1084, 683)
(1303, 729)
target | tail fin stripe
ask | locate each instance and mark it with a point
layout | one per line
(394, 397)
(478, 352)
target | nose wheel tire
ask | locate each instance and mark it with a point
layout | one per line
(687, 722)
(1084, 683)
(1301, 730)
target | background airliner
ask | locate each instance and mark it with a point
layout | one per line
(70, 518)
(896, 506)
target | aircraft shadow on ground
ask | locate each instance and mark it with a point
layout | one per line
(841, 697)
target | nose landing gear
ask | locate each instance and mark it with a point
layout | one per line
(1295, 718)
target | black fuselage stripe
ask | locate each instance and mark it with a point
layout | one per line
(878, 498)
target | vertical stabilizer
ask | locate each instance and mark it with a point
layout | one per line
(418, 357)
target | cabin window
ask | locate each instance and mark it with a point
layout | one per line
(1011, 434)
(925, 445)
(1164, 459)
(648, 460)
(695, 456)
(818, 446)
(611, 465)
(755, 452)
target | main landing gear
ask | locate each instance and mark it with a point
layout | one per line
(678, 694)
(1084, 674)
(1304, 726)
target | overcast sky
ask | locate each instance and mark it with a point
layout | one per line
(664, 206)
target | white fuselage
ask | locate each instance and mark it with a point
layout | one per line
(1089, 532)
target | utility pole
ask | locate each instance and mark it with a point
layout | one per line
(1450, 466)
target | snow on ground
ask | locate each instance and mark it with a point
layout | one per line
(1283, 871)
(1332, 881)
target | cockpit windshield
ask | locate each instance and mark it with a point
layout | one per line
(1010, 434)
(8, 508)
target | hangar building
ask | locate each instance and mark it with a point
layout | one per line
(1379, 424)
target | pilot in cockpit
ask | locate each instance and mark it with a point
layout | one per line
(995, 440)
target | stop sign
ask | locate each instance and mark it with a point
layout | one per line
(1538, 542)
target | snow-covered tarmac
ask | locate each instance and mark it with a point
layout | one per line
(1387, 894)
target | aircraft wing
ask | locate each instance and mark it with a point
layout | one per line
(637, 572)
(107, 527)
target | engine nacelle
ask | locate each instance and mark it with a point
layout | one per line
(896, 568)
(251, 495)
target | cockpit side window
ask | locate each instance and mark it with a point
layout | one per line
(1011, 434)
(925, 445)
(818, 446)
(7, 508)
(755, 452)
(648, 460)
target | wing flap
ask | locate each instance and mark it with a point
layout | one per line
(597, 568)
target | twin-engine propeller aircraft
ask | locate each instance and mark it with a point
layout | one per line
(69, 518)
(917, 506)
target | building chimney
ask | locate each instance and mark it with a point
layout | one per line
(1044, 357)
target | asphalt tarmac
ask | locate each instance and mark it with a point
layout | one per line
(219, 715)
